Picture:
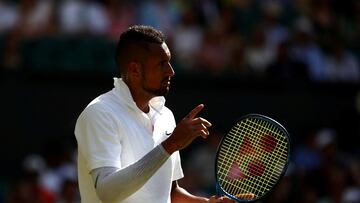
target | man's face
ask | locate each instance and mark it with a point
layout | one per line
(157, 70)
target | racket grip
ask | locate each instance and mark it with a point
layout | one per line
(246, 196)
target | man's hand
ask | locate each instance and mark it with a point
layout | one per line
(217, 199)
(187, 130)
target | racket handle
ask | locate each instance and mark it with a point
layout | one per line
(243, 196)
(247, 196)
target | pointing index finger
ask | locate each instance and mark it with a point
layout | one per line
(195, 111)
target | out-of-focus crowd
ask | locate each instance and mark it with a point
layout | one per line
(310, 40)
(47, 177)
(281, 39)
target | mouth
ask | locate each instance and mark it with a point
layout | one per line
(167, 82)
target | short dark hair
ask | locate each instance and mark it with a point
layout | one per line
(137, 36)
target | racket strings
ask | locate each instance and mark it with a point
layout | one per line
(257, 156)
(274, 156)
(234, 177)
(264, 128)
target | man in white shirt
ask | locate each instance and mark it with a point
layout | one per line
(128, 140)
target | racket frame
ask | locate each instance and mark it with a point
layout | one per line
(219, 190)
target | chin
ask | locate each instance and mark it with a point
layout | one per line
(163, 93)
(159, 92)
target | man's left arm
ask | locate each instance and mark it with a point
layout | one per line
(180, 195)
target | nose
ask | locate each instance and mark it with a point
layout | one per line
(171, 71)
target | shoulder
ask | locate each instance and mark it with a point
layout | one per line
(98, 105)
(96, 118)
(99, 108)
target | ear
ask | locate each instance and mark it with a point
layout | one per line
(134, 69)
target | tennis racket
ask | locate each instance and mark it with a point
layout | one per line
(251, 158)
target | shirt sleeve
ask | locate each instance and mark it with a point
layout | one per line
(98, 138)
(117, 184)
(177, 170)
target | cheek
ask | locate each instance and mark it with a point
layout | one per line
(151, 80)
(153, 76)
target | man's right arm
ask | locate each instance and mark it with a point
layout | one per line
(112, 183)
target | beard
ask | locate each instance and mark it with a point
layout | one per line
(163, 90)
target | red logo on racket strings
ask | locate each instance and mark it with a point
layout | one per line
(246, 147)
(268, 142)
(235, 172)
(255, 167)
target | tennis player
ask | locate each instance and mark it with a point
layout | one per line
(128, 140)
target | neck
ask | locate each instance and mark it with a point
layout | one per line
(140, 98)
(143, 105)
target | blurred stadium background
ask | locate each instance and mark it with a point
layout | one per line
(294, 60)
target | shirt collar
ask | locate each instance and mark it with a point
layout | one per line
(123, 91)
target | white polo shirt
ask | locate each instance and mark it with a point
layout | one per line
(113, 131)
